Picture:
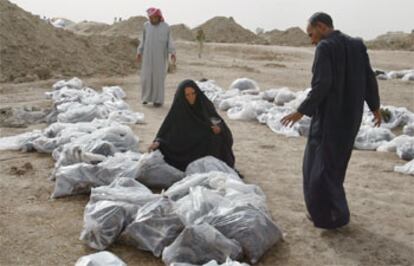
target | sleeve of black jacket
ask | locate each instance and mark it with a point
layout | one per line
(321, 81)
(371, 94)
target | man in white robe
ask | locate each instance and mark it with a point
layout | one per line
(155, 46)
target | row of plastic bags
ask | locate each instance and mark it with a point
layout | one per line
(405, 75)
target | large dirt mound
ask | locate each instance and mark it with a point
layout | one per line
(226, 30)
(131, 27)
(393, 41)
(31, 48)
(182, 32)
(294, 36)
(88, 27)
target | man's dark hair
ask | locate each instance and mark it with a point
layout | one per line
(322, 18)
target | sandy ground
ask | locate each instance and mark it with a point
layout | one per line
(35, 230)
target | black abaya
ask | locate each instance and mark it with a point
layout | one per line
(186, 134)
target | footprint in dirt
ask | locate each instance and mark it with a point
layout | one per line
(15, 170)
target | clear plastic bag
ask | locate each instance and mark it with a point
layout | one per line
(200, 244)
(251, 228)
(154, 172)
(208, 164)
(199, 202)
(156, 226)
(407, 169)
(103, 258)
(80, 178)
(244, 84)
(182, 187)
(406, 150)
(370, 138)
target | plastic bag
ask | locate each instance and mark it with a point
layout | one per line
(156, 226)
(244, 84)
(103, 258)
(111, 208)
(228, 262)
(407, 169)
(208, 164)
(273, 117)
(370, 138)
(283, 96)
(406, 150)
(200, 244)
(23, 142)
(182, 187)
(391, 146)
(251, 228)
(74, 83)
(126, 117)
(103, 222)
(80, 178)
(199, 202)
(116, 91)
(409, 130)
(154, 172)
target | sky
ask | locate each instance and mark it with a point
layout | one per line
(362, 18)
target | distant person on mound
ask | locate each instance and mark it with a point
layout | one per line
(193, 129)
(342, 80)
(200, 39)
(155, 46)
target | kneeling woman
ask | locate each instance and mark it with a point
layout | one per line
(193, 129)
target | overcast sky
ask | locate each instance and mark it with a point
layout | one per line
(363, 18)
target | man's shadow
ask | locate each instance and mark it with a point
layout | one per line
(357, 244)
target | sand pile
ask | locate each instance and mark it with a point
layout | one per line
(131, 27)
(88, 28)
(393, 41)
(31, 48)
(294, 36)
(226, 30)
(182, 32)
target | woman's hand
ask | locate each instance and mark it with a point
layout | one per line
(216, 129)
(155, 145)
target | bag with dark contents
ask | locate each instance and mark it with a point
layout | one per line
(200, 244)
(156, 226)
(251, 228)
(81, 177)
(103, 222)
(154, 172)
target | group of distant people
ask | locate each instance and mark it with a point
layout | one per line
(342, 81)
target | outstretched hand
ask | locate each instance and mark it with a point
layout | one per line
(155, 145)
(138, 58)
(216, 129)
(291, 119)
(377, 118)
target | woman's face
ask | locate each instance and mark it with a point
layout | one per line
(190, 95)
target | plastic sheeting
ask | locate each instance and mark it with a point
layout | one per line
(243, 84)
(407, 169)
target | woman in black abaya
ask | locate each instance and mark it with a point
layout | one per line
(193, 129)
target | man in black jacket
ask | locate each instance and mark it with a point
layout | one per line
(342, 80)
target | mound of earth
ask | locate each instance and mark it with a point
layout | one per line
(226, 30)
(294, 36)
(88, 28)
(182, 32)
(131, 27)
(31, 48)
(393, 41)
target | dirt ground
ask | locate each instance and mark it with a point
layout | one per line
(35, 230)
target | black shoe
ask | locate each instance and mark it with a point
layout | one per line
(144, 103)
(157, 104)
